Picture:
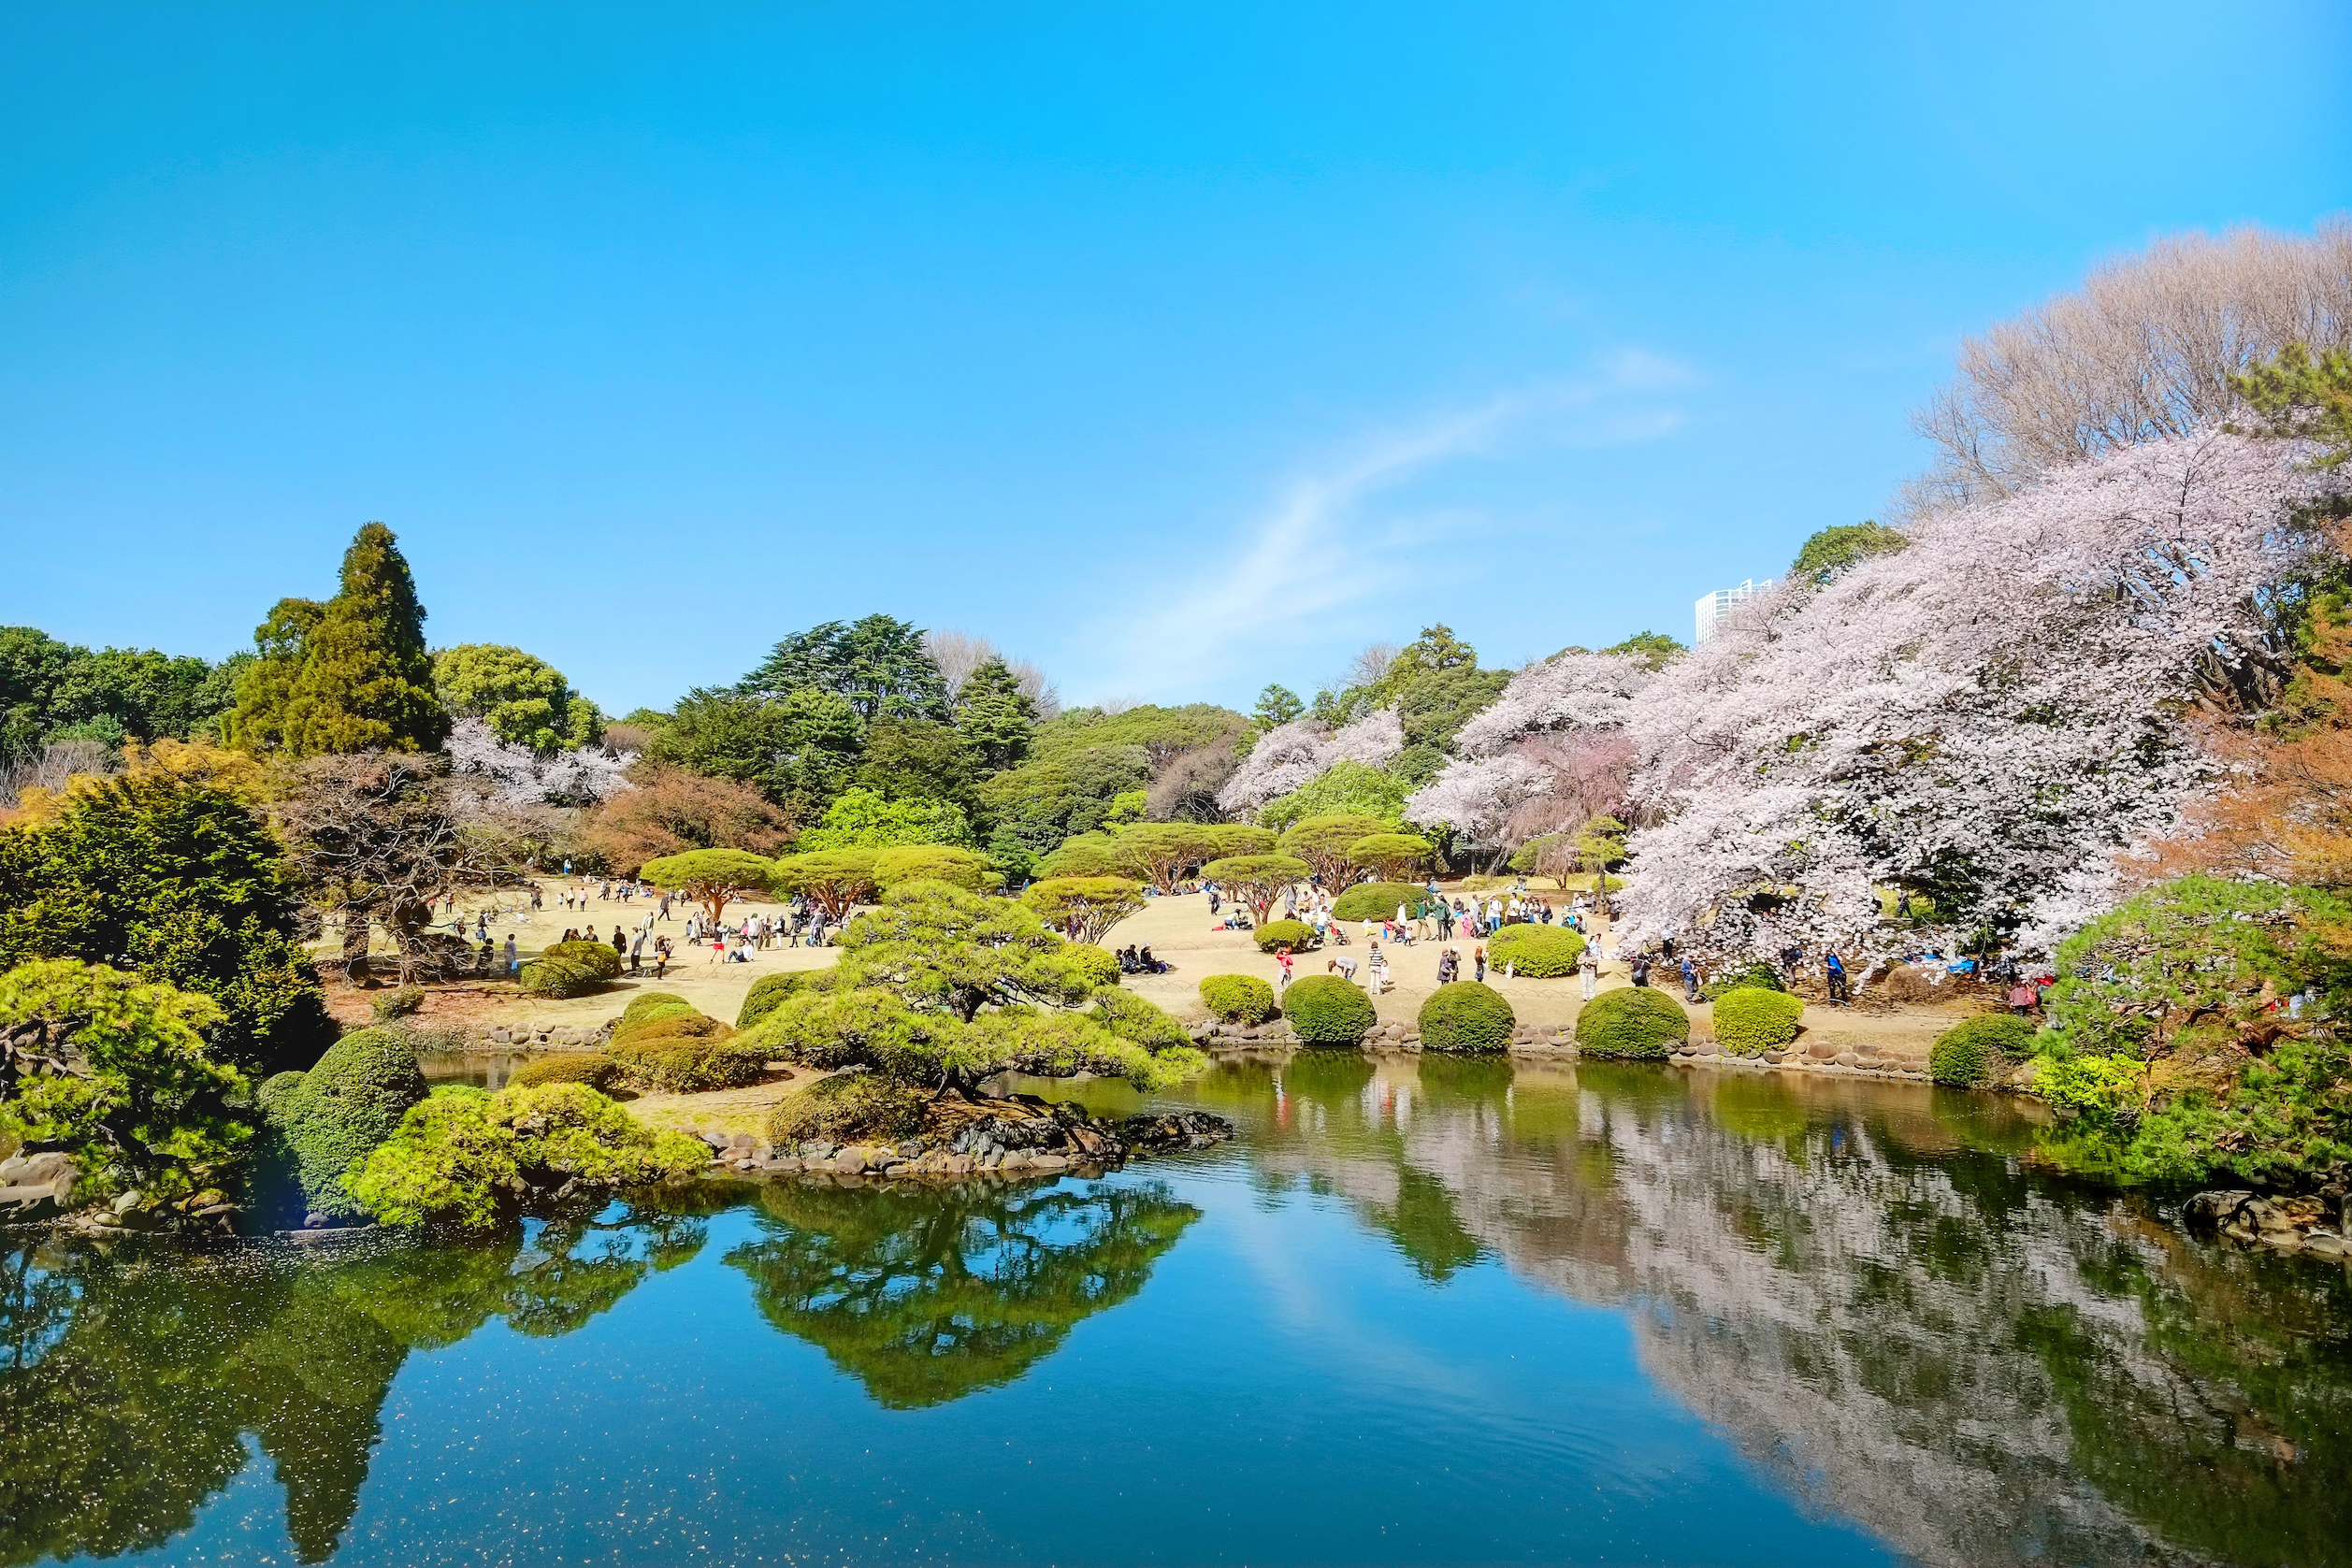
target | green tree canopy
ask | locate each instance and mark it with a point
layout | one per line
(1090, 854)
(1347, 788)
(117, 1072)
(1654, 649)
(52, 690)
(1833, 550)
(995, 716)
(1327, 843)
(1391, 856)
(182, 884)
(1084, 908)
(525, 700)
(920, 759)
(1257, 880)
(799, 750)
(861, 819)
(2305, 398)
(877, 665)
(1165, 851)
(351, 675)
(712, 877)
(1277, 707)
(835, 881)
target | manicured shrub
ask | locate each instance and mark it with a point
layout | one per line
(1325, 1010)
(1098, 966)
(1755, 977)
(271, 1097)
(767, 991)
(1637, 1023)
(594, 957)
(847, 1107)
(1297, 935)
(678, 1022)
(646, 1001)
(1750, 1020)
(688, 1064)
(1465, 1016)
(558, 977)
(593, 1068)
(459, 1158)
(1238, 999)
(1130, 1017)
(399, 1003)
(1966, 1054)
(1376, 900)
(342, 1108)
(964, 867)
(1536, 952)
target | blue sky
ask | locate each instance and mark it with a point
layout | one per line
(1178, 348)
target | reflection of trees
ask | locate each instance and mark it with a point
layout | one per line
(927, 1296)
(130, 1379)
(1864, 1286)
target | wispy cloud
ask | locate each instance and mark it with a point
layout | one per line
(1310, 571)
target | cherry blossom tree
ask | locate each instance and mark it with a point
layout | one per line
(518, 776)
(1291, 755)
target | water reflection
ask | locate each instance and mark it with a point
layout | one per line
(131, 1377)
(1866, 1288)
(925, 1297)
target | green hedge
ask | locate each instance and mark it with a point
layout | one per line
(594, 1068)
(1325, 1010)
(594, 957)
(848, 1107)
(559, 977)
(1755, 977)
(1376, 900)
(1966, 1054)
(770, 989)
(647, 1001)
(340, 1110)
(1750, 1020)
(1238, 999)
(1297, 935)
(1465, 1016)
(1637, 1023)
(1536, 952)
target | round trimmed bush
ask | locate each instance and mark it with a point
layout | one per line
(675, 1064)
(1465, 1016)
(1297, 935)
(1966, 1054)
(768, 990)
(1537, 952)
(342, 1108)
(399, 1003)
(1376, 900)
(1635, 1024)
(594, 1068)
(1238, 999)
(1755, 977)
(1750, 1020)
(648, 1001)
(848, 1107)
(594, 956)
(558, 977)
(1100, 965)
(677, 1022)
(1325, 1010)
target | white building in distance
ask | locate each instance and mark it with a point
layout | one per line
(1713, 606)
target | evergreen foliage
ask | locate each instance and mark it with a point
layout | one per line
(995, 716)
(798, 749)
(920, 760)
(351, 675)
(1328, 843)
(51, 690)
(1256, 881)
(861, 819)
(182, 884)
(1535, 952)
(1750, 1021)
(1377, 900)
(1297, 935)
(1277, 707)
(1465, 1016)
(766, 992)
(595, 1068)
(340, 1110)
(1090, 854)
(1325, 1010)
(1347, 788)
(1632, 1024)
(115, 1071)
(968, 869)
(1832, 550)
(712, 878)
(847, 1108)
(1084, 908)
(1966, 1054)
(835, 881)
(1238, 999)
(525, 700)
(876, 664)
(1165, 853)
(1654, 649)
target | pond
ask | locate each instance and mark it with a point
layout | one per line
(1434, 1312)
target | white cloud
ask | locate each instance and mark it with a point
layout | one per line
(1313, 572)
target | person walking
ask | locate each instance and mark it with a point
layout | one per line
(1834, 969)
(1282, 959)
(1478, 958)
(637, 953)
(1588, 969)
(1690, 979)
(514, 960)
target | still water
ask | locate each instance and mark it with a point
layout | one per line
(1418, 1313)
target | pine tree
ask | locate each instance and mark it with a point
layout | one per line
(351, 675)
(995, 715)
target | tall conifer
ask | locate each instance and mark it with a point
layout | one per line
(351, 675)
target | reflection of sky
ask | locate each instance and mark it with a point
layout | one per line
(1284, 1389)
